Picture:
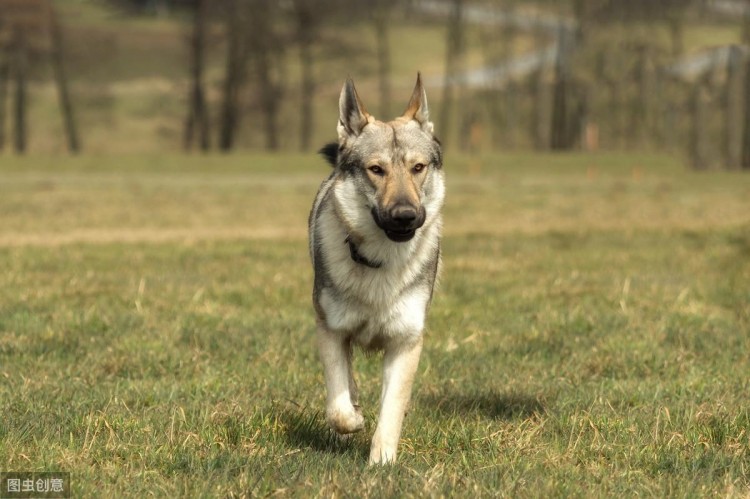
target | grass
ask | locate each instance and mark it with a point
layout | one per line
(589, 338)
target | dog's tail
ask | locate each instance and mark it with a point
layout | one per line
(330, 152)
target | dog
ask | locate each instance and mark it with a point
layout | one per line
(375, 230)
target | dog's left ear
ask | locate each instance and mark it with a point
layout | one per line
(417, 109)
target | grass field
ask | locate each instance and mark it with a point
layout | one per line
(590, 336)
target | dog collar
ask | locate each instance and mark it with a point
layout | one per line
(357, 256)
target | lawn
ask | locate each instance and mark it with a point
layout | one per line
(590, 336)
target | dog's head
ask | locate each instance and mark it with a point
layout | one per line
(395, 166)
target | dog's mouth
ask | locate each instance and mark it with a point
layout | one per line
(400, 236)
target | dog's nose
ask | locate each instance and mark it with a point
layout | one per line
(403, 214)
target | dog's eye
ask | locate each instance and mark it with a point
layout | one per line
(418, 168)
(376, 169)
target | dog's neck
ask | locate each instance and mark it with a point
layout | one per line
(357, 256)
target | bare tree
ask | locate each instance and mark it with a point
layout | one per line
(696, 144)
(745, 158)
(676, 23)
(19, 114)
(234, 74)
(745, 28)
(454, 52)
(308, 15)
(197, 116)
(61, 80)
(254, 49)
(732, 108)
(642, 75)
(267, 56)
(4, 78)
(560, 123)
(537, 124)
(30, 32)
(507, 51)
(381, 17)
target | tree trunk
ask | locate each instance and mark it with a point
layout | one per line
(233, 78)
(676, 33)
(61, 80)
(306, 27)
(270, 93)
(639, 129)
(733, 109)
(453, 55)
(698, 126)
(538, 88)
(510, 92)
(615, 111)
(579, 122)
(20, 95)
(197, 116)
(538, 112)
(745, 28)
(267, 55)
(270, 97)
(560, 121)
(4, 77)
(559, 129)
(308, 94)
(745, 162)
(380, 22)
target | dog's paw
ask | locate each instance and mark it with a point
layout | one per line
(381, 454)
(344, 422)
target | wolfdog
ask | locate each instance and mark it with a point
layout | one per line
(375, 229)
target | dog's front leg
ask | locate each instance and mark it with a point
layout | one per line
(399, 366)
(336, 355)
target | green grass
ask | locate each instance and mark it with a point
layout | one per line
(589, 337)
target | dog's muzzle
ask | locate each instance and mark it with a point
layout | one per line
(401, 222)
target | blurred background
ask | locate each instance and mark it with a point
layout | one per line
(147, 76)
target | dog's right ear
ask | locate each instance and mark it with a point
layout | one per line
(352, 114)
(417, 109)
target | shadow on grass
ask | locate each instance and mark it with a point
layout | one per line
(489, 404)
(307, 428)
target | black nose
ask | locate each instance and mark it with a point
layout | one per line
(403, 214)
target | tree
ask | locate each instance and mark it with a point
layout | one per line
(560, 133)
(308, 15)
(697, 107)
(266, 52)
(234, 73)
(381, 17)
(30, 32)
(732, 101)
(61, 80)
(19, 114)
(454, 52)
(197, 116)
(745, 159)
(4, 79)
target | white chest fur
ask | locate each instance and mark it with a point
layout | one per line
(375, 305)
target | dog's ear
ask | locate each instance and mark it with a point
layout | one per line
(352, 114)
(417, 109)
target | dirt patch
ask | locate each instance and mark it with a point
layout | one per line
(146, 235)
